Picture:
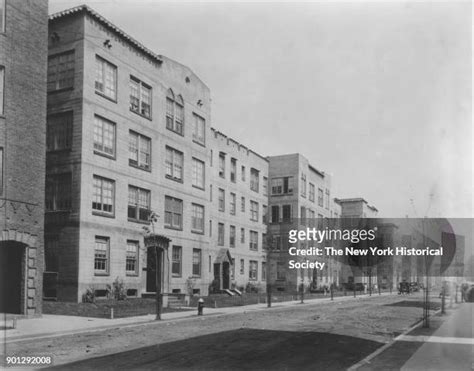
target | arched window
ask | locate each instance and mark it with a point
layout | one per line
(174, 112)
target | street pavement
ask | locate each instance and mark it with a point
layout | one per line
(49, 326)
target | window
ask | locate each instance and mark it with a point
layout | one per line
(264, 213)
(173, 213)
(303, 185)
(254, 178)
(232, 203)
(320, 197)
(60, 71)
(328, 197)
(197, 262)
(286, 213)
(139, 151)
(2, 15)
(101, 255)
(242, 266)
(210, 228)
(174, 164)
(103, 197)
(282, 186)
(138, 204)
(312, 216)
(253, 270)
(199, 129)
(104, 136)
(221, 199)
(197, 218)
(131, 258)
(320, 221)
(264, 241)
(253, 240)
(275, 214)
(242, 204)
(303, 215)
(242, 235)
(232, 236)
(59, 131)
(2, 86)
(233, 170)
(243, 173)
(265, 186)
(232, 269)
(176, 258)
(58, 192)
(105, 78)
(198, 173)
(276, 242)
(220, 234)
(254, 211)
(174, 113)
(312, 191)
(264, 271)
(222, 165)
(140, 97)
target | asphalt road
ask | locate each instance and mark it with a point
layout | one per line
(326, 336)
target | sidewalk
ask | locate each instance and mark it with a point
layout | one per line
(447, 345)
(49, 326)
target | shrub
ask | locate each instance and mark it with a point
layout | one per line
(214, 287)
(190, 284)
(89, 295)
(119, 292)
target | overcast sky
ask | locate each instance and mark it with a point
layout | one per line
(377, 94)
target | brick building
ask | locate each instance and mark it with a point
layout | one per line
(23, 61)
(300, 197)
(239, 208)
(128, 132)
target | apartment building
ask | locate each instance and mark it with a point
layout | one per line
(300, 196)
(128, 132)
(23, 61)
(357, 208)
(239, 214)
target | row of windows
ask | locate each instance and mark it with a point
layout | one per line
(61, 69)
(253, 237)
(254, 174)
(177, 261)
(253, 270)
(59, 137)
(102, 256)
(254, 206)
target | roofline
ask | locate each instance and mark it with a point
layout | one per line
(86, 9)
(255, 153)
(355, 199)
(311, 167)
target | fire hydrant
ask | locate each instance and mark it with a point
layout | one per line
(200, 306)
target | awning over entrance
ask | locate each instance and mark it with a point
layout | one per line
(223, 256)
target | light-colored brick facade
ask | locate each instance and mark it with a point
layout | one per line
(23, 61)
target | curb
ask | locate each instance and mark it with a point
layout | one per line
(275, 306)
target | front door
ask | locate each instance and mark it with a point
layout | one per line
(11, 254)
(225, 275)
(150, 271)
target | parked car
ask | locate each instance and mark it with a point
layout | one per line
(403, 288)
(414, 287)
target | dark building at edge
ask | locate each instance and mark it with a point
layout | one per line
(23, 66)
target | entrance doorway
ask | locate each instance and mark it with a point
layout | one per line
(150, 270)
(225, 275)
(11, 255)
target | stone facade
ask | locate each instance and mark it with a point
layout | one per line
(23, 61)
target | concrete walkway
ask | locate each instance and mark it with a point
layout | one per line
(49, 325)
(450, 347)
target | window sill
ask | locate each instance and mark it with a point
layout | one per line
(98, 153)
(199, 143)
(174, 179)
(114, 100)
(176, 132)
(198, 232)
(147, 169)
(105, 215)
(101, 274)
(57, 211)
(173, 228)
(138, 221)
(200, 188)
(175, 275)
(131, 274)
(141, 115)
